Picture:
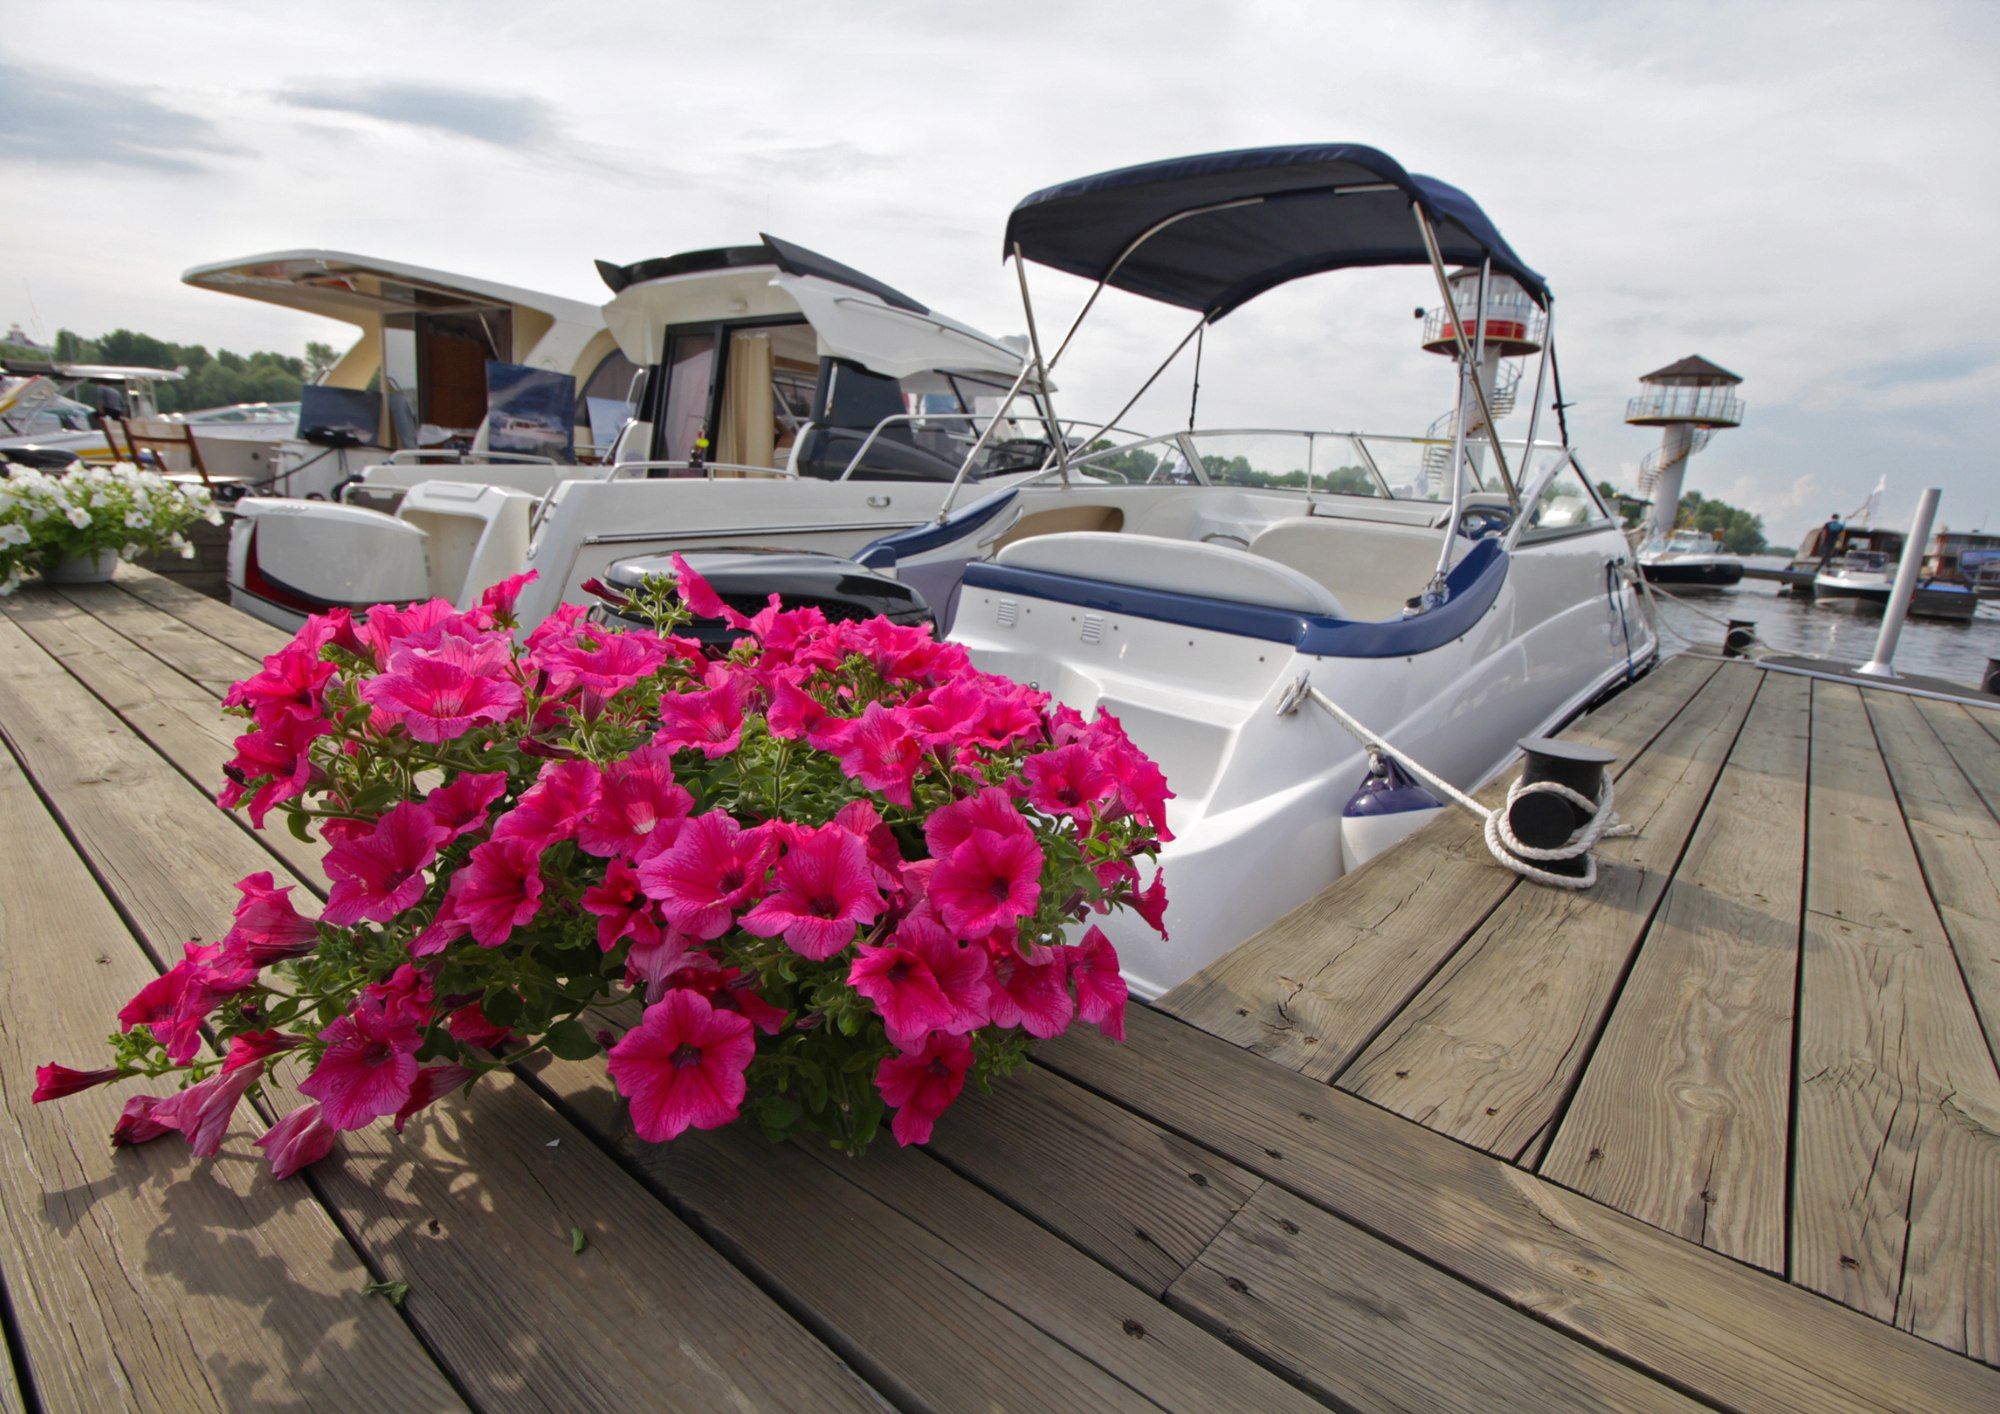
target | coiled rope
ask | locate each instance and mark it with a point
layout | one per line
(1501, 841)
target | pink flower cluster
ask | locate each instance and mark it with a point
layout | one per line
(825, 874)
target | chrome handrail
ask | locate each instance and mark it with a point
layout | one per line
(736, 470)
(410, 456)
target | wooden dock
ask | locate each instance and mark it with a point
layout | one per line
(1452, 1143)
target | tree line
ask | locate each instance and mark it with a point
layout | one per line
(213, 379)
(1741, 532)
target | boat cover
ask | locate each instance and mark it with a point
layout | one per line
(1216, 231)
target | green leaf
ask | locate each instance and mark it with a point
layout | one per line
(502, 1006)
(391, 1291)
(577, 1241)
(571, 1040)
(295, 821)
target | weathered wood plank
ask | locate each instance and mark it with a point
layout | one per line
(212, 665)
(1722, 1330)
(1009, 1313)
(1957, 841)
(144, 1278)
(1489, 1050)
(1140, 1200)
(1683, 1115)
(504, 1202)
(1315, 987)
(1369, 1327)
(13, 1397)
(180, 719)
(1897, 1174)
(1968, 733)
(246, 635)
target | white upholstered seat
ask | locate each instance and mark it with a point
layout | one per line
(1179, 566)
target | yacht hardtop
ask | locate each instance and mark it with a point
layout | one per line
(787, 400)
(417, 385)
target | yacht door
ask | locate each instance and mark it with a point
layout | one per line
(684, 400)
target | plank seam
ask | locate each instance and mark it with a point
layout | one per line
(856, 1357)
(126, 589)
(1792, 1118)
(1547, 1132)
(262, 1106)
(17, 1351)
(1581, 1337)
(1389, 1017)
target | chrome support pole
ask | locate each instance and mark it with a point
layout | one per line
(1465, 351)
(1535, 408)
(985, 436)
(1035, 345)
(1164, 366)
(1907, 571)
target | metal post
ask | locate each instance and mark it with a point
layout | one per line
(1464, 349)
(1535, 408)
(1035, 345)
(1907, 570)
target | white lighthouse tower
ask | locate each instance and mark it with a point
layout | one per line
(1513, 327)
(1691, 398)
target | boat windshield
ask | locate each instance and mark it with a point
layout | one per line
(1867, 561)
(1374, 465)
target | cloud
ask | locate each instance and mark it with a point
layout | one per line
(50, 116)
(511, 121)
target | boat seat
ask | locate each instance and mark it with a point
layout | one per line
(1373, 568)
(1177, 566)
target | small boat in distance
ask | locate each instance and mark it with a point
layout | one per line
(1866, 579)
(1691, 559)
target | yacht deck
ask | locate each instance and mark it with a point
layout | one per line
(1435, 1141)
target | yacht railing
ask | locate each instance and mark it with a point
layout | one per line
(412, 456)
(704, 471)
(918, 420)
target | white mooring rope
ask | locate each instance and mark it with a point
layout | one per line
(1501, 841)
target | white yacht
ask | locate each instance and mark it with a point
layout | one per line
(1689, 558)
(39, 412)
(788, 400)
(415, 389)
(1236, 573)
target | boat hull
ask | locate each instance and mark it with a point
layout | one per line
(1700, 574)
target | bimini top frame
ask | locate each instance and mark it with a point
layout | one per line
(1212, 232)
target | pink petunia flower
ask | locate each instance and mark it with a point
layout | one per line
(885, 852)
(988, 882)
(381, 874)
(991, 809)
(922, 1084)
(1033, 996)
(280, 757)
(368, 1068)
(961, 969)
(461, 806)
(439, 694)
(795, 714)
(300, 1138)
(53, 1082)
(711, 719)
(654, 962)
(388, 628)
(905, 994)
(1150, 903)
(713, 868)
(202, 1111)
(602, 662)
(498, 889)
(252, 1047)
(432, 1084)
(554, 807)
(621, 907)
(135, 1123)
(682, 1066)
(497, 601)
(470, 1026)
(1100, 989)
(290, 685)
(879, 750)
(404, 993)
(639, 808)
(174, 1004)
(1071, 781)
(823, 890)
(267, 929)
(700, 597)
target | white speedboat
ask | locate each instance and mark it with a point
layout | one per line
(416, 388)
(1690, 559)
(1865, 579)
(1197, 604)
(788, 401)
(39, 412)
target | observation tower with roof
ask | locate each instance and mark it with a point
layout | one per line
(1513, 327)
(1692, 399)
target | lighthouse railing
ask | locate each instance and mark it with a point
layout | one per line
(1689, 404)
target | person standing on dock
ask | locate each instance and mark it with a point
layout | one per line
(1829, 536)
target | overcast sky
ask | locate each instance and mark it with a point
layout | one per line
(1800, 192)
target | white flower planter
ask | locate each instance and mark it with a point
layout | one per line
(85, 569)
